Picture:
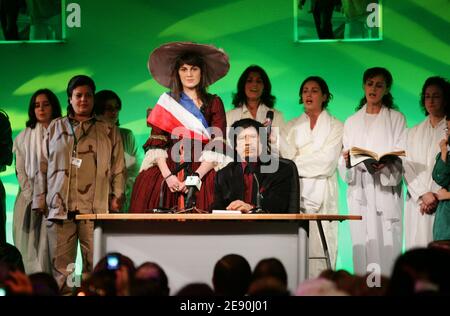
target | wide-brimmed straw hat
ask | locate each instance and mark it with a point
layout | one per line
(162, 60)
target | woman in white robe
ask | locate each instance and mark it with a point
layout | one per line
(421, 149)
(29, 229)
(254, 100)
(377, 197)
(314, 143)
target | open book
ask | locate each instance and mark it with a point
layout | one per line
(358, 155)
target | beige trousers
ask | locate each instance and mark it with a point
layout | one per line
(63, 237)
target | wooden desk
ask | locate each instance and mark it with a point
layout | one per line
(187, 246)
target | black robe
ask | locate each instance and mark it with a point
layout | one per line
(275, 188)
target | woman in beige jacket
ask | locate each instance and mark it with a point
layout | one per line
(82, 171)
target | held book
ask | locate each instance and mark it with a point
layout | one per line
(358, 155)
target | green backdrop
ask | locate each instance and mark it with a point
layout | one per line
(115, 39)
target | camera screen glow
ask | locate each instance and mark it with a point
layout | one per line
(113, 262)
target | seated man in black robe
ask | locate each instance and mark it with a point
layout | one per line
(253, 172)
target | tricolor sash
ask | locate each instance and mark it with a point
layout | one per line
(169, 115)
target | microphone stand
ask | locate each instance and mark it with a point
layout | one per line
(258, 208)
(160, 208)
(191, 210)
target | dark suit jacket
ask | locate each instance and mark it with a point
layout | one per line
(274, 187)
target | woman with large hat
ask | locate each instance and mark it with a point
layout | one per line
(188, 129)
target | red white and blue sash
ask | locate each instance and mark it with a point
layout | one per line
(169, 115)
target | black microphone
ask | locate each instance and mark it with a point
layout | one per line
(193, 183)
(160, 208)
(269, 119)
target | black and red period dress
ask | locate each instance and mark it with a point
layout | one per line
(146, 189)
